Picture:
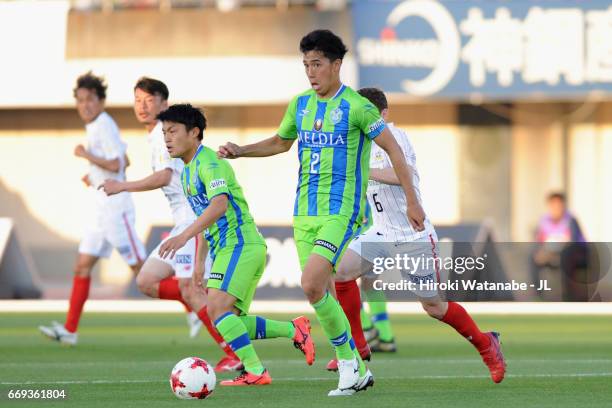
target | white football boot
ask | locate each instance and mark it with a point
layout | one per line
(195, 324)
(367, 380)
(59, 333)
(348, 371)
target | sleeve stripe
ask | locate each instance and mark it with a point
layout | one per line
(376, 132)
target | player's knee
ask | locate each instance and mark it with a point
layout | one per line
(219, 303)
(216, 309)
(213, 311)
(146, 283)
(434, 309)
(313, 292)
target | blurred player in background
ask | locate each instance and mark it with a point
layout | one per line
(560, 245)
(375, 321)
(237, 249)
(377, 330)
(170, 278)
(393, 233)
(111, 223)
(334, 126)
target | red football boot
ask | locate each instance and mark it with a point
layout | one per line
(302, 340)
(247, 378)
(494, 358)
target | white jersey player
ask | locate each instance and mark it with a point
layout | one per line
(388, 201)
(392, 234)
(111, 221)
(170, 278)
(183, 262)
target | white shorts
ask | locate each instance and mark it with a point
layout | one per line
(183, 261)
(114, 231)
(373, 245)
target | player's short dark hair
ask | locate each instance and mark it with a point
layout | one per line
(556, 195)
(91, 82)
(325, 41)
(187, 115)
(376, 96)
(153, 87)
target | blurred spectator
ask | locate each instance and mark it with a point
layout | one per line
(560, 245)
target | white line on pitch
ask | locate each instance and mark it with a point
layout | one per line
(330, 378)
(474, 360)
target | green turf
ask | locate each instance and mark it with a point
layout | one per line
(125, 360)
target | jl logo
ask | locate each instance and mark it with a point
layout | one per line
(318, 124)
(336, 116)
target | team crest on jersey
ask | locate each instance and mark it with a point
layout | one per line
(379, 156)
(336, 116)
(318, 124)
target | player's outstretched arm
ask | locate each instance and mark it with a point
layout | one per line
(415, 212)
(113, 165)
(216, 208)
(388, 176)
(154, 181)
(385, 176)
(267, 147)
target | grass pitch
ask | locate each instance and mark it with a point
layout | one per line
(125, 360)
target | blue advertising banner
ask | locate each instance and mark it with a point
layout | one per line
(492, 49)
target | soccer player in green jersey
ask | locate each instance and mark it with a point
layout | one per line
(237, 248)
(334, 127)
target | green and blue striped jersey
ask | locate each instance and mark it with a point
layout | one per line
(206, 177)
(334, 139)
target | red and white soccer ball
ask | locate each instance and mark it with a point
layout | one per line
(192, 378)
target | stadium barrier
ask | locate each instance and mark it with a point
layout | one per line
(18, 277)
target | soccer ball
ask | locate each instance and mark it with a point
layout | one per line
(192, 378)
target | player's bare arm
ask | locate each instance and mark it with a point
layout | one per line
(267, 147)
(388, 176)
(200, 263)
(113, 165)
(154, 181)
(214, 211)
(415, 212)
